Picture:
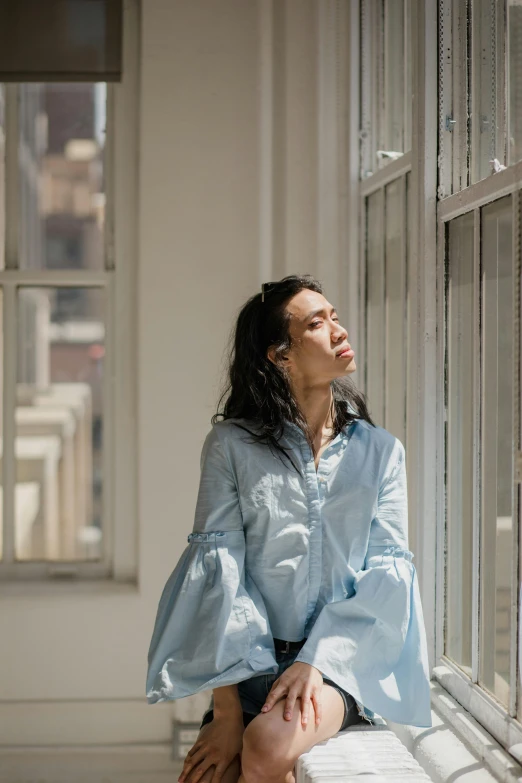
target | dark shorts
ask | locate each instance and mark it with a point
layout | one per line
(253, 693)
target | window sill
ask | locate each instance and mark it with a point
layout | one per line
(66, 588)
(457, 744)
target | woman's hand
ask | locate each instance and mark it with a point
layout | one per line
(220, 742)
(299, 680)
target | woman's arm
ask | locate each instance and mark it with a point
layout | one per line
(227, 703)
(211, 624)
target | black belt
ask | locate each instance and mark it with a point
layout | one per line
(283, 646)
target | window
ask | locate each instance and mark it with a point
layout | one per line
(386, 312)
(479, 218)
(479, 97)
(442, 324)
(66, 269)
(385, 82)
(385, 194)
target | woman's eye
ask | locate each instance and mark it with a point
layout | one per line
(317, 323)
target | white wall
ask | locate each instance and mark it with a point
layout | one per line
(229, 176)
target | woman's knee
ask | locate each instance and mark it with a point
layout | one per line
(263, 756)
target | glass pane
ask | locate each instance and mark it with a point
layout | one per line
(375, 305)
(2, 175)
(497, 448)
(62, 198)
(395, 276)
(59, 423)
(484, 122)
(461, 358)
(408, 108)
(515, 80)
(396, 97)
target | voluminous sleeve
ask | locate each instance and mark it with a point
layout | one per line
(211, 626)
(373, 643)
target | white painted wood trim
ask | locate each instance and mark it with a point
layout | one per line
(480, 193)
(424, 422)
(266, 139)
(393, 170)
(122, 379)
(514, 699)
(481, 705)
(9, 376)
(457, 746)
(477, 438)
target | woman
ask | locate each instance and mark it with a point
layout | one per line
(296, 600)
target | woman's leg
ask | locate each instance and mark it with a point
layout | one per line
(272, 744)
(230, 775)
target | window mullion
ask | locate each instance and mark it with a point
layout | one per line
(9, 309)
(442, 259)
(515, 487)
(477, 436)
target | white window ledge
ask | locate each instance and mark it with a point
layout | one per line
(457, 747)
(360, 753)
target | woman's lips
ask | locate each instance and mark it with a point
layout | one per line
(346, 354)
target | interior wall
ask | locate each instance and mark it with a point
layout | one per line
(221, 147)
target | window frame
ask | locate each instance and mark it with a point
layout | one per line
(118, 278)
(500, 721)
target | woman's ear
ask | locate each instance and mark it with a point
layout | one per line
(270, 355)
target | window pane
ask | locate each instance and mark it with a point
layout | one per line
(396, 97)
(62, 198)
(484, 122)
(497, 449)
(59, 423)
(515, 80)
(395, 276)
(408, 107)
(459, 479)
(375, 305)
(386, 82)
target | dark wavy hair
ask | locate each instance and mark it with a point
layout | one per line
(258, 390)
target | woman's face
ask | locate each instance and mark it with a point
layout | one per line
(317, 338)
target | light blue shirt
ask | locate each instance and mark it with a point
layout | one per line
(273, 554)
